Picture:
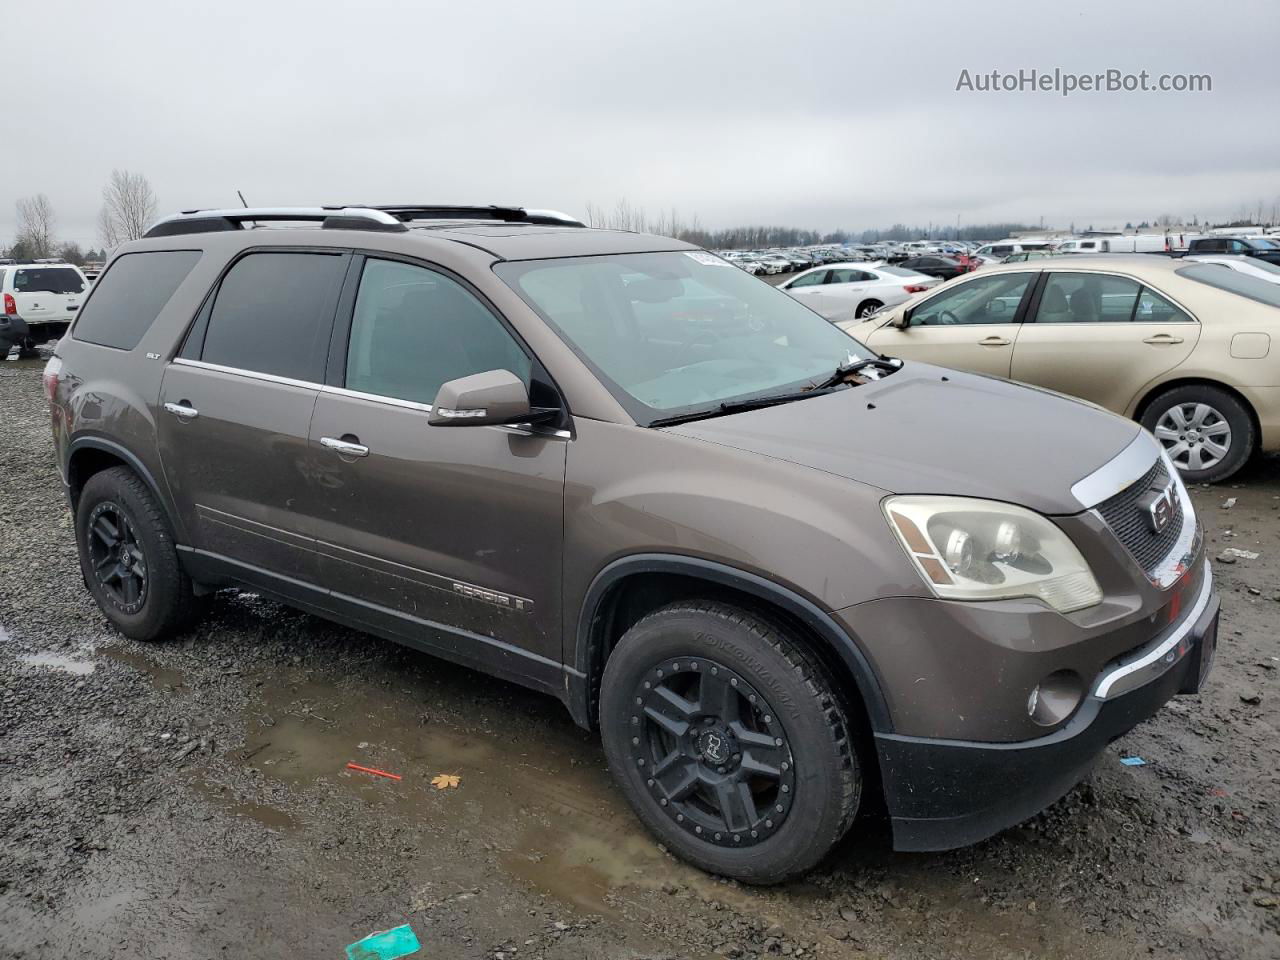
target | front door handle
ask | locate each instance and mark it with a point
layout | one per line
(183, 411)
(994, 341)
(1162, 338)
(344, 448)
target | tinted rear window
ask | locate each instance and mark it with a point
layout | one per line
(130, 295)
(274, 314)
(47, 280)
(1233, 281)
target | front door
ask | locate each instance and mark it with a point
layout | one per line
(236, 406)
(970, 325)
(452, 533)
(1101, 337)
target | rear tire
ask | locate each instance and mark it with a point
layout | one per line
(729, 742)
(1207, 432)
(128, 557)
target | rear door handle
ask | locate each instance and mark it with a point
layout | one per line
(345, 447)
(183, 410)
(994, 341)
(1162, 338)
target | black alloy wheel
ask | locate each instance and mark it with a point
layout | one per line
(717, 758)
(117, 557)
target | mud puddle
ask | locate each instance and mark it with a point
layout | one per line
(162, 678)
(539, 798)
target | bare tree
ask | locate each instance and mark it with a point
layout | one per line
(128, 208)
(35, 226)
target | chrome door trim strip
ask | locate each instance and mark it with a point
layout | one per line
(250, 374)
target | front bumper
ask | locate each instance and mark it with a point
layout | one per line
(943, 794)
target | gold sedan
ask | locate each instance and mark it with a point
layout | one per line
(1185, 348)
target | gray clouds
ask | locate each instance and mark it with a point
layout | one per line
(822, 115)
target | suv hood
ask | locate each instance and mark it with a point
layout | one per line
(924, 429)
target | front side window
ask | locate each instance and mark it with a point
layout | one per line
(273, 314)
(1087, 298)
(993, 299)
(415, 329)
(47, 280)
(679, 333)
(808, 280)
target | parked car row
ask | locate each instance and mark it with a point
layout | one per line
(1184, 346)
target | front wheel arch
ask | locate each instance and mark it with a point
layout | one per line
(605, 616)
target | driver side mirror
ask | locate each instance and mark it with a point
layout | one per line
(903, 322)
(482, 399)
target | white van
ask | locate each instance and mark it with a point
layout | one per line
(1146, 243)
(1002, 249)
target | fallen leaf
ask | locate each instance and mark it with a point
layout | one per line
(443, 781)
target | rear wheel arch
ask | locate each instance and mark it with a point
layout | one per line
(1151, 393)
(629, 588)
(91, 455)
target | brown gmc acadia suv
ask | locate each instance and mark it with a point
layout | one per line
(783, 575)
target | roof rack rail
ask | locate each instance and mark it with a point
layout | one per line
(410, 212)
(213, 221)
(390, 217)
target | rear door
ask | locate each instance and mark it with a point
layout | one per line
(236, 406)
(1101, 337)
(969, 325)
(448, 536)
(47, 293)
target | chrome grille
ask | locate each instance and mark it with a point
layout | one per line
(1131, 524)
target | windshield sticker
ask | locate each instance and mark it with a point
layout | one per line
(707, 259)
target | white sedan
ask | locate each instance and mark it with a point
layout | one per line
(853, 291)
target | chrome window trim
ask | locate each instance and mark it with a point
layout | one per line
(376, 398)
(1151, 662)
(250, 374)
(524, 430)
(1120, 471)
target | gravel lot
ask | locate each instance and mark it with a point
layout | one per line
(190, 799)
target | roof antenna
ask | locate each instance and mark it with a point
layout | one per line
(245, 204)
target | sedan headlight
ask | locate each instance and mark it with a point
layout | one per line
(969, 549)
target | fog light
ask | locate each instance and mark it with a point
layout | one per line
(1055, 698)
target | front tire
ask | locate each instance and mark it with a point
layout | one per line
(1207, 432)
(729, 741)
(866, 308)
(128, 557)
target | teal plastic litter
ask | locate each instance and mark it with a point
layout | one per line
(385, 945)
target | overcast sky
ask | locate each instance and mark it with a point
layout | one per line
(822, 114)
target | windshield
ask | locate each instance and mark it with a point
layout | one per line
(677, 333)
(48, 280)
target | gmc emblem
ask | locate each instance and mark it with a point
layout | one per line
(1159, 507)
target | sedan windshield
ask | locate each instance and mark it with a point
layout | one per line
(674, 334)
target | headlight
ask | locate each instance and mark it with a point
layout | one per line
(969, 549)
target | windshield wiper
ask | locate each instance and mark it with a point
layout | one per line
(849, 369)
(816, 389)
(738, 406)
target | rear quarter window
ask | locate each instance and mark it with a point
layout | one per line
(127, 298)
(1233, 281)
